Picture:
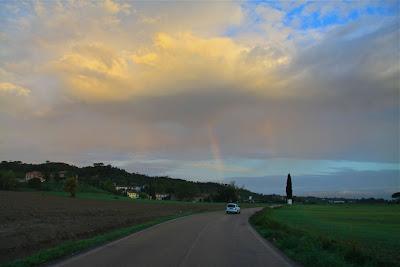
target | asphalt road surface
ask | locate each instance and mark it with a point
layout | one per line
(207, 239)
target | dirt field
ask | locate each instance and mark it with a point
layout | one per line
(30, 221)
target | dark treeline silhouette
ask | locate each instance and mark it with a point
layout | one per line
(101, 178)
(106, 177)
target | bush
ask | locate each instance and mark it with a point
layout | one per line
(143, 195)
(52, 185)
(186, 191)
(7, 180)
(71, 185)
(35, 183)
(227, 193)
(108, 186)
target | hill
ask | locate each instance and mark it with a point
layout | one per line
(100, 177)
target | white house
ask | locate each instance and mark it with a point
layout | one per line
(133, 195)
(162, 196)
(34, 174)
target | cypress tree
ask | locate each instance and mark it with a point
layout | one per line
(289, 187)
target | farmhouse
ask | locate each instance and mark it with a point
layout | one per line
(34, 174)
(133, 195)
(162, 196)
(125, 188)
(337, 201)
(62, 174)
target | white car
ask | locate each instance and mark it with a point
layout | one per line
(232, 208)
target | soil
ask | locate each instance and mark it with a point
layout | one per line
(30, 221)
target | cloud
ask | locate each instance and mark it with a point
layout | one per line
(183, 60)
(206, 19)
(170, 65)
(10, 88)
(93, 72)
(13, 99)
(114, 7)
(153, 79)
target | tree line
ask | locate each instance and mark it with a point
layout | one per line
(101, 177)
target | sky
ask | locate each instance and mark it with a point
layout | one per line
(208, 91)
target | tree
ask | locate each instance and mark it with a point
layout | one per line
(289, 192)
(186, 191)
(108, 186)
(396, 196)
(99, 164)
(35, 183)
(150, 190)
(143, 195)
(7, 180)
(227, 193)
(71, 184)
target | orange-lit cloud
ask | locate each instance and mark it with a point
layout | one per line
(168, 65)
(10, 88)
(147, 78)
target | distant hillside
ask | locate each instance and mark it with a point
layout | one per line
(100, 178)
(107, 177)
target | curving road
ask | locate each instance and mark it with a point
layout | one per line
(207, 239)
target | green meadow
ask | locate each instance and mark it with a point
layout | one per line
(334, 235)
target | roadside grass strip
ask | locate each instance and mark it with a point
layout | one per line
(314, 248)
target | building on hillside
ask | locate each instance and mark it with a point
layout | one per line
(59, 175)
(333, 201)
(121, 188)
(198, 199)
(62, 174)
(124, 189)
(338, 202)
(133, 195)
(98, 164)
(162, 196)
(251, 200)
(138, 188)
(201, 198)
(34, 174)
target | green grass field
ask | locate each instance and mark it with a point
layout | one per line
(334, 235)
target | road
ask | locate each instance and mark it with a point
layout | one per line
(207, 239)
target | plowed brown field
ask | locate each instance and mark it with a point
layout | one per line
(30, 221)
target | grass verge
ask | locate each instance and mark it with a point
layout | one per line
(311, 247)
(72, 247)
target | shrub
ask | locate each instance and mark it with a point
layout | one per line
(143, 195)
(71, 185)
(8, 180)
(35, 183)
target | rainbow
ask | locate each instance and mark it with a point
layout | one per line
(216, 153)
